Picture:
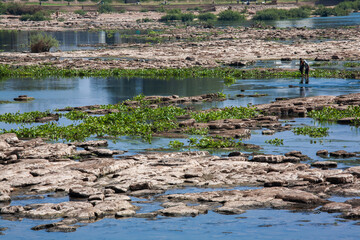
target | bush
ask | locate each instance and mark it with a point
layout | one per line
(80, 0)
(38, 16)
(278, 14)
(229, 15)
(105, 8)
(324, 12)
(187, 17)
(170, 17)
(173, 11)
(42, 42)
(20, 9)
(80, 12)
(207, 17)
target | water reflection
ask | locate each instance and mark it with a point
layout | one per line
(52, 93)
(319, 22)
(304, 91)
(17, 41)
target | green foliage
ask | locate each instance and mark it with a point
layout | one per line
(76, 115)
(106, 8)
(275, 141)
(229, 81)
(278, 14)
(26, 117)
(221, 95)
(42, 42)
(173, 11)
(142, 121)
(324, 64)
(313, 132)
(170, 17)
(195, 72)
(225, 113)
(176, 144)
(19, 8)
(229, 15)
(332, 114)
(207, 17)
(352, 64)
(38, 16)
(187, 17)
(80, 12)
(216, 143)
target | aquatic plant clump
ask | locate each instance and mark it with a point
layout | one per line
(142, 121)
(195, 72)
(208, 143)
(314, 132)
(275, 141)
(23, 117)
(332, 114)
(197, 131)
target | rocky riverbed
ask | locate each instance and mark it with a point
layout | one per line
(185, 46)
(99, 186)
(101, 183)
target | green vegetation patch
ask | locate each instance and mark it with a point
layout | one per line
(42, 42)
(278, 14)
(225, 113)
(331, 114)
(23, 117)
(352, 64)
(142, 121)
(314, 132)
(275, 141)
(196, 72)
(229, 15)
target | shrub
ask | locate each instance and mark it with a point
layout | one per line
(324, 12)
(38, 16)
(42, 42)
(20, 9)
(229, 15)
(278, 14)
(80, 12)
(173, 11)
(187, 17)
(207, 17)
(105, 8)
(170, 17)
(80, 0)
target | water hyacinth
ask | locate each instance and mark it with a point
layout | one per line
(314, 132)
(7, 71)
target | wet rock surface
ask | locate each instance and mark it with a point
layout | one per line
(100, 187)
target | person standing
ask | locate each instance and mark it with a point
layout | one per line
(304, 65)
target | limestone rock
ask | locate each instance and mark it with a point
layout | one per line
(324, 164)
(340, 178)
(322, 153)
(342, 153)
(336, 207)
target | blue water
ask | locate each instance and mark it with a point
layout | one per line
(52, 93)
(352, 19)
(17, 41)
